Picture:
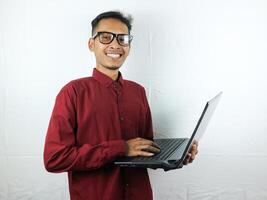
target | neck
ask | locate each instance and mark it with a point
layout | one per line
(113, 74)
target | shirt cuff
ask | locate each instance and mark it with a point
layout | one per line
(116, 148)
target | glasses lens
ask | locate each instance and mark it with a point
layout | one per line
(105, 38)
(124, 40)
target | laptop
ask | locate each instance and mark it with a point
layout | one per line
(173, 150)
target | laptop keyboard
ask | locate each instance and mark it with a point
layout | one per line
(167, 146)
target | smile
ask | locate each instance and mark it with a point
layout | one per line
(114, 55)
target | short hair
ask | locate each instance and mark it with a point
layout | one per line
(127, 20)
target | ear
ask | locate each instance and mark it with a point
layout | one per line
(91, 44)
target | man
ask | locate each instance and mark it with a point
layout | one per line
(99, 118)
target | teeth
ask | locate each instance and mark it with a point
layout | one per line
(112, 55)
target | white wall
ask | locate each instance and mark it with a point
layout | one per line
(183, 52)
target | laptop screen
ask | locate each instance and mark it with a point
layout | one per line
(203, 121)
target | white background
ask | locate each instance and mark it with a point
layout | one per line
(183, 52)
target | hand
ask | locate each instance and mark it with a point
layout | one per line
(191, 153)
(141, 147)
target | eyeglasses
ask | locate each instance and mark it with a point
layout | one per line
(108, 37)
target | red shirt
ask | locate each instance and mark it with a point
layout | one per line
(91, 120)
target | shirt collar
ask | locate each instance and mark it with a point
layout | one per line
(104, 79)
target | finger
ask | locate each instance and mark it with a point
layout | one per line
(188, 155)
(155, 149)
(195, 142)
(148, 148)
(152, 149)
(148, 142)
(186, 161)
(192, 157)
(156, 145)
(144, 153)
(193, 149)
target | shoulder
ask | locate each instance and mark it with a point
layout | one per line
(76, 86)
(136, 89)
(81, 82)
(133, 85)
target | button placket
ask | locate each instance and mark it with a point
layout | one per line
(119, 101)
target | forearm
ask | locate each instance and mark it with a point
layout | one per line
(59, 158)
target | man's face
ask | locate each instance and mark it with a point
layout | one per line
(110, 56)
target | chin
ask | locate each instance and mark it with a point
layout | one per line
(113, 67)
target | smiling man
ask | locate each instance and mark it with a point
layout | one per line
(99, 118)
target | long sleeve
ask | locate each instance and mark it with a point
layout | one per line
(61, 152)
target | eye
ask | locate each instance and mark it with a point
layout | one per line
(106, 37)
(123, 39)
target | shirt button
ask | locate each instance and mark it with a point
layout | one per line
(126, 184)
(115, 86)
(121, 118)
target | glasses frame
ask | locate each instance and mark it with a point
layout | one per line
(114, 35)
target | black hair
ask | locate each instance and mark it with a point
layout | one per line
(127, 20)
